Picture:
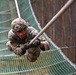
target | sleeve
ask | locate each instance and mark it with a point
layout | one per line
(44, 45)
(13, 46)
(32, 31)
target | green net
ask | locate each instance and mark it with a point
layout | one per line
(51, 62)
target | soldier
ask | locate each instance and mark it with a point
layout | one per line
(19, 37)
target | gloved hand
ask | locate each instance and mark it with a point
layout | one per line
(26, 46)
(36, 43)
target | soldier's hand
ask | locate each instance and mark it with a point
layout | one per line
(26, 46)
(36, 43)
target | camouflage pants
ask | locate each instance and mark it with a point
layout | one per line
(33, 54)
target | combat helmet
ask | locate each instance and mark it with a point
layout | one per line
(19, 24)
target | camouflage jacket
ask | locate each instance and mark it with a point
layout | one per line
(15, 43)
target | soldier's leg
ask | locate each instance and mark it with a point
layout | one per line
(33, 55)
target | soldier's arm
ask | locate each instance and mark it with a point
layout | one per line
(32, 32)
(13, 46)
(43, 43)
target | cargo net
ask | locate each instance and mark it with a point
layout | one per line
(51, 62)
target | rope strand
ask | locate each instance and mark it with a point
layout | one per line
(17, 8)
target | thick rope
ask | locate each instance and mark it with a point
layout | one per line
(17, 8)
(63, 9)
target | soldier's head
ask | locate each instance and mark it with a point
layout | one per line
(19, 25)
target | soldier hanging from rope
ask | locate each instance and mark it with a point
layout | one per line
(19, 38)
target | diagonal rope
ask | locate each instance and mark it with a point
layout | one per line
(17, 8)
(63, 9)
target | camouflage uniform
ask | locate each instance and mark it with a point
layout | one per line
(16, 44)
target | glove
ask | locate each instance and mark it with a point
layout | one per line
(36, 43)
(26, 46)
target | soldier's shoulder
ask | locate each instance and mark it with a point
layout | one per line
(30, 28)
(32, 31)
(10, 33)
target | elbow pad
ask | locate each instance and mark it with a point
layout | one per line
(45, 45)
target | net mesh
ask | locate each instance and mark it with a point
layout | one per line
(51, 62)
